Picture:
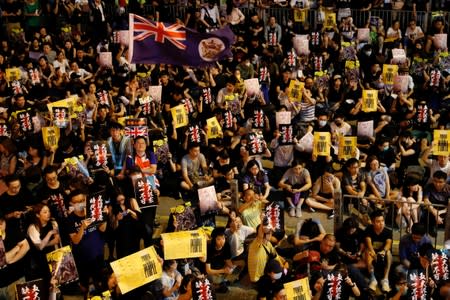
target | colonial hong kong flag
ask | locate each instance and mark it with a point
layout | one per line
(157, 42)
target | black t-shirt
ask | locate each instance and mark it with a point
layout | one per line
(350, 242)
(12, 8)
(12, 272)
(378, 240)
(56, 200)
(332, 257)
(216, 258)
(266, 287)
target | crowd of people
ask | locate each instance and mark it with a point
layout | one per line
(391, 170)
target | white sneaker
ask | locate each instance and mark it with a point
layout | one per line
(292, 212)
(298, 212)
(385, 286)
(373, 285)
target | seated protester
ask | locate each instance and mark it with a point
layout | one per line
(409, 207)
(409, 246)
(194, 170)
(102, 120)
(384, 152)
(236, 235)
(223, 187)
(401, 288)
(261, 252)
(308, 231)
(431, 290)
(219, 267)
(119, 147)
(409, 151)
(378, 250)
(171, 280)
(272, 278)
(256, 179)
(350, 241)
(354, 183)
(185, 291)
(87, 242)
(438, 163)
(326, 189)
(296, 182)
(8, 157)
(142, 157)
(251, 209)
(378, 182)
(223, 160)
(437, 192)
(16, 247)
(68, 146)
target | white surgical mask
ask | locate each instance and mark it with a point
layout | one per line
(277, 276)
(322, 123)
(79, 206)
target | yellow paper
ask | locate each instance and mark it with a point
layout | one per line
(12, 74)
(184, 244)
(180, 115)
(352, 64)
(330, 20)
(347, 147)
(214, 129)
(441, 142)
(298, 289)
(137, 269)
(121, 120)
(322, 143)
(389, 73)
(300, 15)
(370, 100)
(50, 136)
(70, 102)
(295, 90)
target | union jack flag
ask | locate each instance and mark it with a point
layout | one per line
(194, 134)
(207, 98)
(96, 208)
(103, 97)
(26, 122)
(172, 33)
(135, 131)
(258, 118)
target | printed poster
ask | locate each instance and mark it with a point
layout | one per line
(136, 127)
(95, 208)
(347, 147)
(208, 199)
(145, 103)
(143, 190)
(296, 90)
(369, 101)
(4, 130)
(3, 263)
(308, 142)
(184, 217)
(286, 135)
(365, 129)
(25, 119)
(137, 269)
(61, 117)
(100, 153)
(161, 150)
(105, 59)
(258, 119)
(70, 102)
(389, 73)
(300, 15)
(417, 285)
(333, 285)
(50, 136)
(255, 144)
(12, 74)
(213, 128)
(439, 265)
(363, 34)
(32, 290)
(301, 44)
(298, 289)
(155, 92)
(401, 83)
(283, 118)
(184, 244)
(180, 115)
(62, 266)
(274, 214)
(322, 143)
(194, 134)
(330, 20)
(441, 142)
(103, 97)
(398, 56)
(202, 289)
(252, 86)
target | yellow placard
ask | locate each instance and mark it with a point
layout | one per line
(441, 142)
(180, 115)
(296, 90)
(347, 147)
(12, 74)
(137, 269)
(298, 289)
(322, 143)
(351, 64)
(50, 137)
(70, 103)
(300, 15)
(389, 73)
(122, 120)
(370, 100)
(330, 20)
(214, 129)
(184, 244)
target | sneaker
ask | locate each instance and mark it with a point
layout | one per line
(311, 209)
(331, 214)
(298, 212)
(385, 286)
(373, 284)
(292, 212)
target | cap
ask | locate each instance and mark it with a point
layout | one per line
(273, 265)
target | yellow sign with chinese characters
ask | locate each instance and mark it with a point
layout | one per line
(296, 90)
(184, 244)
(441, 142)
(180, 116)
(50, 137)
(369, 101)
(347, 147)
(298, 289)
(214, 129)
(389, 73)
(322, 143)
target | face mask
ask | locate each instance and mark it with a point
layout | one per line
(386, 148)
(289, 23)
(79, 206)
(368, 53)
(247, 64)
(277, 276)
(322, 123)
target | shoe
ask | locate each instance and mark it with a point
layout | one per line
(385, 286)
(331, 214)
(311, 209)
(222, 289)
(298, 212)
(292, 212)
(373, 284)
